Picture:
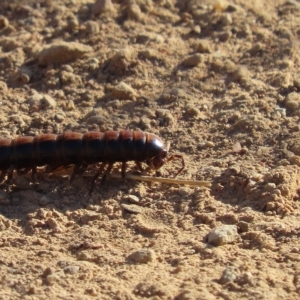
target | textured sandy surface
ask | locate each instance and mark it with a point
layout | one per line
(219, 81)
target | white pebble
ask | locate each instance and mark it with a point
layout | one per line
(143, 256)
(133, 199)
(229, 274)
(222, 235)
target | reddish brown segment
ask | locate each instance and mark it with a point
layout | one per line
(81, 150)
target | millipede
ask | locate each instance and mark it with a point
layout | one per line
(26, 153)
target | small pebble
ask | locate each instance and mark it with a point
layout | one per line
(242, 74)
(243, 226)
(292, 101)
(84, 219)
(209, 144)
(54, 277)
(91, 27)
(196, 29)
(229, 274)
(295, 160)
(133, 199)
(83, 256)
(3, 22)
(270, 186)
(31, 290)
(222, 235)
(99, 120)
(204, 47)
(224, 36)
(123, 91)
(48, 101)
(135, 209)
(73, 23)
(281, 111)
(220, 5)
(227, 19)
(3, 86)
(146, 123)
(41, 100)
(52, 223)
(283, 80)
(166, 116)
(102, 6)
(145, 37)
(24, 75)
(93, 63)
(48, 271)
(194, 112)
(92, 291)
(59, 117)
(237, 148)
(120, 62)
(71, 269)
(184, 191)
(245, 278)
(142, 256)
(134, 11)
(192, 61)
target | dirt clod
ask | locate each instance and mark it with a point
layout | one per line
(62, 52)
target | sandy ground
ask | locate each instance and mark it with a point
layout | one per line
(219, 81)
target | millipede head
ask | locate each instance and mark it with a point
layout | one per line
(157, 161)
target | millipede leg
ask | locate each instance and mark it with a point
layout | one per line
(23, 171)
(182, 162)
(75, 172)
(10, 174)
(78, 171)
(3, 174)
(124, 165)
(139, 166)
(103, 165)
(51, 168)
(107, 172)
(34, 174)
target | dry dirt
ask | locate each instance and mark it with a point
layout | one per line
(219, 81)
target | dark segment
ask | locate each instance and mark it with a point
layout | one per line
(5, 150)
(138, 153)
(126, 145)
(23, 151)
(154, 145)
(45, 149)
(112, 146)
(93, 146)
(70, 145)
